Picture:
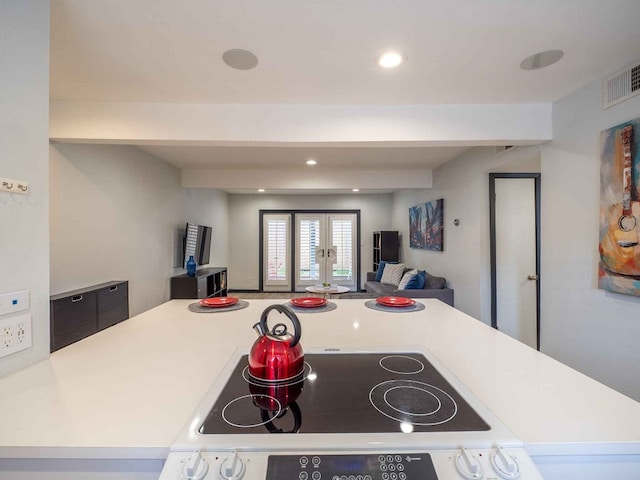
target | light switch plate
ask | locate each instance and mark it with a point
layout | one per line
(14, 302)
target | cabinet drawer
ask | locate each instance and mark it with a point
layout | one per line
(73, 318)
(113, 305)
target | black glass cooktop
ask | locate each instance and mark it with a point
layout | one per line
(344, 393)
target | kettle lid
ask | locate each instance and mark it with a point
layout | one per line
(279, 332)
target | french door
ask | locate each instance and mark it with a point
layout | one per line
(301, 249)
(326, 250)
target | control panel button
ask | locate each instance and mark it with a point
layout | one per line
(383, 467)
(381, 458)
(398, 458)
(315, 461)
(351, 477)
(316, 475)
(303, 476)
(304, 461)
(400, 467)
(367, 477)
(402, 476)
(385, 476)
(393, 476)
(392, 467)
(389, 458)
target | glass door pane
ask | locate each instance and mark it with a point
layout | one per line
(309, 265)
(342, 250)
(277, 251)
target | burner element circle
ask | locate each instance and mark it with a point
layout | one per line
(401, 364)
(413, 402)
(282, 383)
(391, 401)
(246, 403)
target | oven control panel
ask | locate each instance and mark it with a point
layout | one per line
(436, 464)
(397, 466)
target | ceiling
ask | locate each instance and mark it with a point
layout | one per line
(322, 53)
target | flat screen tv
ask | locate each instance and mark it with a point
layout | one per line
(197, 242)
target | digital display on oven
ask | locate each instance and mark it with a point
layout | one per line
(380, 466)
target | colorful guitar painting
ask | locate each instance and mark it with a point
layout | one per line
(619, 246)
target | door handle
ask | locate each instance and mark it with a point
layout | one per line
(533, 276)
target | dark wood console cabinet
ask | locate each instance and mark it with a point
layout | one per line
(83, 312)
(208, 282)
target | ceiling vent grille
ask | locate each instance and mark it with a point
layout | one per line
(621, 86)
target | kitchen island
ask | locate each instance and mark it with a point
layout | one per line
(114, 403)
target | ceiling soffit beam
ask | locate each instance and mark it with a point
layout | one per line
(339, 125)
(335, 179)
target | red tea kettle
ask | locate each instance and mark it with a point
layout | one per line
(276, 355)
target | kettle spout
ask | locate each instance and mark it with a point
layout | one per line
(259, 330)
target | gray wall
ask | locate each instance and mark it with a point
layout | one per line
(244, 238)
(24, 155)
(118, 213)
(463, 183)
(594, 331)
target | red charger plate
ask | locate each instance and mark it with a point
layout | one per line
(309, 302)
(218, 301)
(395, 301)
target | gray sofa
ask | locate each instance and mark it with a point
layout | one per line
(435, 287)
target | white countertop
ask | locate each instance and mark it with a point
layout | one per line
(127, 391)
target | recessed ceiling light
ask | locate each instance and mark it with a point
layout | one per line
(541, 59)
(391, 60)
(261, 190)
(311, 161)
(355, 189)
(240, 59)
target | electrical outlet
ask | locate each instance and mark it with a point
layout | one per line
(20, 333)
(15, 334)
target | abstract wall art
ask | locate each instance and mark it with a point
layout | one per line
(426, 226)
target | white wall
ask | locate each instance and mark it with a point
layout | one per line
(244, 250)
(463, 183)
(594, 331)
(24, 119)
(209, 207)
(117, 213)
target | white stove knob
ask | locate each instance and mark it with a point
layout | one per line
(505, 464)
(195, 468)
(468, 465)
(232, 468)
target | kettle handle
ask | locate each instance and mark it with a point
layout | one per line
(290, 314)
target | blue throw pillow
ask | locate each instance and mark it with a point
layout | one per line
(381, 268)
(418, 281)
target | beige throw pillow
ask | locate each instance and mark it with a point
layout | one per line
(406, 278)
(392, 273)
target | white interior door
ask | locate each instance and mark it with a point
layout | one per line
(326, 250)
(516, 275)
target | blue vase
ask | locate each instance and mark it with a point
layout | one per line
(191, 266)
